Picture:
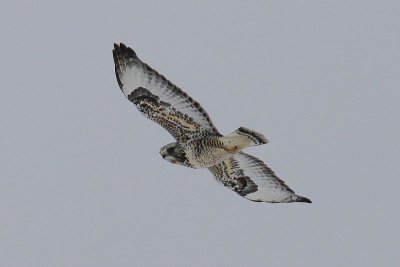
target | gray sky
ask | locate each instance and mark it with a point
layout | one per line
(81, 180)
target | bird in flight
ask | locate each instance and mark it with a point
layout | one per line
(198, 142)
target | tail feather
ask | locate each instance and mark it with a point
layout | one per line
(255, 137)
(242, 138)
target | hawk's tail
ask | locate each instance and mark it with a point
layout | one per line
(242, 138)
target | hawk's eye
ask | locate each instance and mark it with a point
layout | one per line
(170, 150)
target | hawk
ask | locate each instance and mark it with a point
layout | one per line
(198, 142)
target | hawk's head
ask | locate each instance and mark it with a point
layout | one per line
(174, 154)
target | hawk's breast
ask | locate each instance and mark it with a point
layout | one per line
(205, 152)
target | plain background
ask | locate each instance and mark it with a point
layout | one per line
(82, 183)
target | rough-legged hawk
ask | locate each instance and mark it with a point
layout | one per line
(198, 143)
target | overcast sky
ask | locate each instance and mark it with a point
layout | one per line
(81, 180)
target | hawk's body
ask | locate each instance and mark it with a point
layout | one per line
(205, 152)
(198, 142)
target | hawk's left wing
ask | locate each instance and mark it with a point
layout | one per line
(159, 99)
(251, 178)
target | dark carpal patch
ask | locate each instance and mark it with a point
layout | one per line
(244, 186)
(140, 91)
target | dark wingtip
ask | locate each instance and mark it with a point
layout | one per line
(304, 199)
(124, 50)
(122, 55)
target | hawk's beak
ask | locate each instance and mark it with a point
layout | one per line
(163, 155)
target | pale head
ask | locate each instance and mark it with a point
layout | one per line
(174, 154)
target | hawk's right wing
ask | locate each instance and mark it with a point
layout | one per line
(251, 178)
(159, 99)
